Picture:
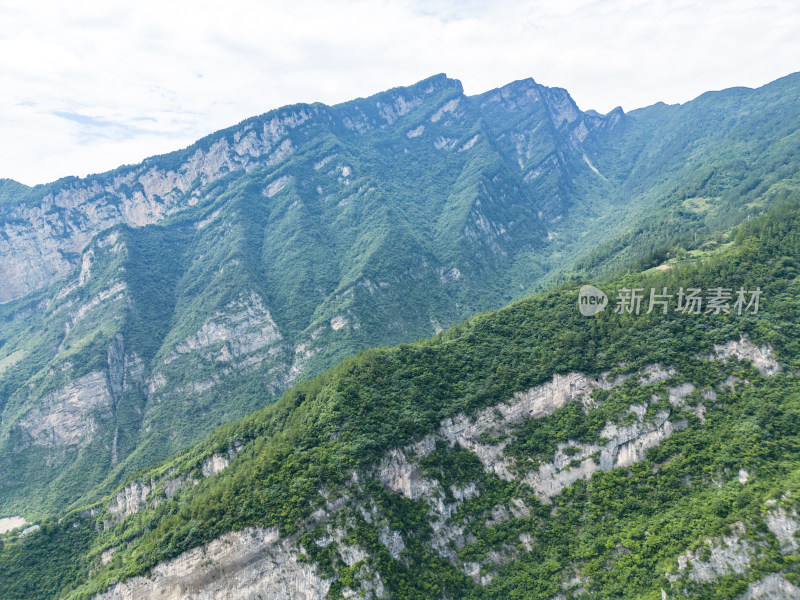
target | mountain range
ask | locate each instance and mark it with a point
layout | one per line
(145, 308)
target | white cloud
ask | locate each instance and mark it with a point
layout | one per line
(86, 86)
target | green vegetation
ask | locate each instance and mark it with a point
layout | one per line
(620, 531)
(367, 237)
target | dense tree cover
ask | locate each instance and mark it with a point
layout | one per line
(420, 234)
(620, 531)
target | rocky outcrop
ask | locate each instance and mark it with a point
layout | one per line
(139, 495)
(771, 587)
(68, 416)
(785, 527)
(489, 432)
(242, 565)
(243, 327)
(625, 445)
(130, 499)
(276, 186)
(214, 464)
(72, 415)
(39, 240)
(763, 358)
(401, 475)
(257, 563)
(393, 541)
(725, 555)
(735, 553)
(238, 338)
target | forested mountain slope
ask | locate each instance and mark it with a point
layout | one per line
(526, 453)
(146, 306)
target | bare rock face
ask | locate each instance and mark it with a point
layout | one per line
(140, 494)
(65, 417)
(244, 327)
(128, 501)
(784, 526)
(771, 587)
(242, 565)
(75, 414)
(38, 238)
(727, 554)
(237, 338)
(762, 358)
(257, 563)
(404, 476)
(214, 464)
(626, 445)
(393, 541)
(622, 446)
(401, 476)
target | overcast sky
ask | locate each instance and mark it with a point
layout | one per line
(87, 86)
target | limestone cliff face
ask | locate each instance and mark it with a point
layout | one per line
(243, 565)
(735, 552)
(41, 238)
(771, 587)
(625, 445)
(72, 415)
(547, 126)
(243, 328)
(64, 417)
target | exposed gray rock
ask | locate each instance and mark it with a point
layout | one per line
(626, 446)
(351, 554)
(404, 476)
(68, 416)
(449, 107)
(677, 394)
(392, 540)
(269, 566)
(469, 143)
(242, 328)
(771, 587)
(728, 554)
(214, 464)
(276, 186)
(130, 499)
(338, 322)
(241, 565)
(655, 373)
(763, 358)
(784, 526)
(38, 239)
(112, 294)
